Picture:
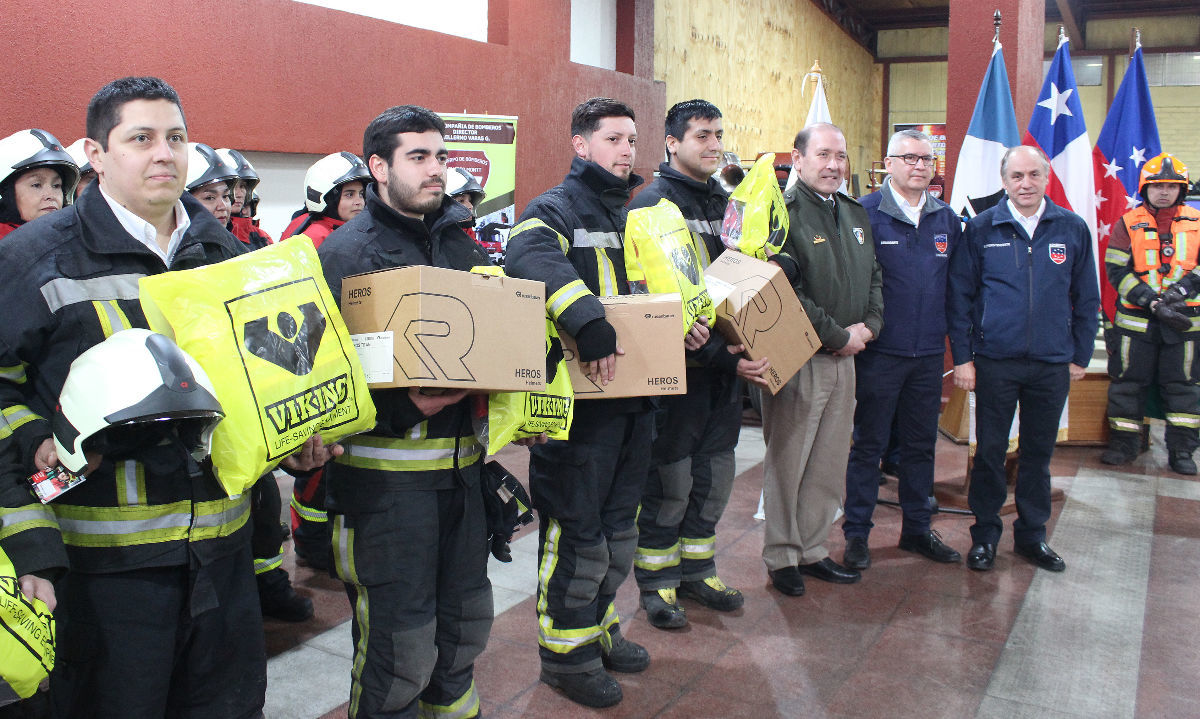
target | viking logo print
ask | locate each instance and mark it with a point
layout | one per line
(294, 347)
(1058, 253)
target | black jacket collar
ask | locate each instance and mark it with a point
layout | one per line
(612, 190)
(704, 189)
(451, 212)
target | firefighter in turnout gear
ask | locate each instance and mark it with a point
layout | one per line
(692, 465)
(1151, 261)
(409, 532)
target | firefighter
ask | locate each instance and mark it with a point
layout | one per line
(37, 177)
(692, 467)
(241, 219)
(462, 186)
(409, 532)
(1151, 261)
(86, 174)
(334, 192)
(157, 616)
(209, 178)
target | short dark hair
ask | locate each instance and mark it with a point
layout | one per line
(380, 136)
(588, 114)
(682, 113)
(802, 137)
(104, 109)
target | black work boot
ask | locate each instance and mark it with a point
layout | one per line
(1122, 448)
(278, 600)
(662, 608)
(596, 688)
(713, 593)
(1181, 461)
(626, 657)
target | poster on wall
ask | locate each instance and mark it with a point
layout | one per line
(486, 146)
(937, 133)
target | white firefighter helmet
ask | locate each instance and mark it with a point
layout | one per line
(246, 172)
(79, 156)
(205, 167)
(327, 175)
(461, 182)
(130, 391)
(29, 149)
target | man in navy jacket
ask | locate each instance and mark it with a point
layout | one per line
(900, 373)
(1022, 305)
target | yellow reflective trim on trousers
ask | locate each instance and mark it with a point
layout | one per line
(1124, 424)
(13, 418)
(361, 615)
(28, 516)
(559, 641)
(1183, 419)
(698, 548)
(533, 223)
(268, 563)
(343, 550)
(651, 559)
(131, 483)
(134, 525)
(609, 621)
(1116, 256)
(1126, 346)
(391, 454)
(16, 374)
(1189, 355)
(1133, 324)
(464, 707)
(608, 273)
(564, 297)
(308, 514)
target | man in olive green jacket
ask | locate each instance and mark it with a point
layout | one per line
(807, 425)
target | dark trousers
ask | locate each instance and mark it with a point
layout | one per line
(1041, 389)
(416, 575)
(586, 491)
(130, 647)
(690, 478)
(907, 390)
(310, 520)
(1134, 362)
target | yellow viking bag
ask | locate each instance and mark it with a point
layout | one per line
(756, 218)
(660, 257)
(516, 415)
(266, 329)
(26, 638)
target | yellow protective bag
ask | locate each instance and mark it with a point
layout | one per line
(756, 218)
(660, 257)
(266, 329)
(516, 415)
(26, 638)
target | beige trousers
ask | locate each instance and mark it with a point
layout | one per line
(807, 427)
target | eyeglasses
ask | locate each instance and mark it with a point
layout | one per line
(914, 159)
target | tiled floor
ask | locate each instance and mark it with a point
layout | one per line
(1116, 635)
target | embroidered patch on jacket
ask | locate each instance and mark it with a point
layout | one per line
(858, 234)
(1058, 253)
(941, 242)
(817, 239)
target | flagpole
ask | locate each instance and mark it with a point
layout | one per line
(996, 23)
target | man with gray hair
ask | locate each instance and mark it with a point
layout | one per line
(1022, 305)
(807, 424)
(900, 373)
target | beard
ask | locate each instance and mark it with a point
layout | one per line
(406, 198)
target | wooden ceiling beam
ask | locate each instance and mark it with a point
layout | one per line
(1074, 21)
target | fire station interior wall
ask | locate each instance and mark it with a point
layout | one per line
(278, 76)
(750, 58)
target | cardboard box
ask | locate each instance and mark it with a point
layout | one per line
(431, 327)
(757, 307)
(650, 330)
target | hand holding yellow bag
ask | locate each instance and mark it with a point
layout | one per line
(268, 333)
(26, 638)
(756, 218)
(517, 415)
(660, 257)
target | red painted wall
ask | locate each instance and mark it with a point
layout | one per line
(281, 76)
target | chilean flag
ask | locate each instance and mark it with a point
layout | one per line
(1129, 138)
(1056, 126)
(992, 131)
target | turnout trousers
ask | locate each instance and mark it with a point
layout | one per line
(416, 575)
(310, 520)
(586, 491)
(689, 482)
(1135, 359)
(181, 642)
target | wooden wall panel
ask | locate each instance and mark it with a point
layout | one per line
(750, 58)
(915, 42)
(917, 93)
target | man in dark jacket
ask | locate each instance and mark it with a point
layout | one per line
(587, 488)
(692, 467)
(158, 615)
(807, 424)
(408, 520)
(1022, 302)
(899, 375)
